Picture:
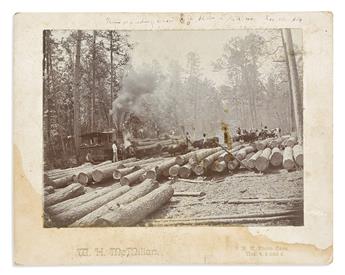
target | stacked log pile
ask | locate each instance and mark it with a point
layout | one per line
(282, 152)
(133, 192)
(114, 205)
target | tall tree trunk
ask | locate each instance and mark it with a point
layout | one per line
(110, 121)
(290, 109)
(93, 92)
(296, 96)
(47, 89)
(76, 95)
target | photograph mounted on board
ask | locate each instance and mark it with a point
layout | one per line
(173, 128)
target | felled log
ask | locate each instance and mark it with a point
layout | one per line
(75, 213)
(71, 191)
(137, 210)
(298, 155)
(251, 161)
(276, 158)
(199, 155)
(61, 182)
(133, 178)
(233, 164)
(102, 174)
(175, 149)
(161, 169)
(198, 169)
(218, 166)
(173, 170)
(78, 201)
(291, 142)
(263, 161)
(228, 157)
(288, 162)
(245, 161)
(148, 149)
(113, 206)
(119, 173)
(185, 171)
(85, 177)
(183, 159)
(49, 189)
(206, 162)
(244, 151)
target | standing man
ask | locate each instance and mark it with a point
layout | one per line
(115, 157)
(204, 140)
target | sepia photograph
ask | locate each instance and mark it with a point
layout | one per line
(173, 128)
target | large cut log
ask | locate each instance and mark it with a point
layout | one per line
(78, 201)
(136, 211)
(148, 150)
(298, 154)
(207, 162)
(133, 178)
(161, 169)
(85, 177)
(183, 159)
(71, 191)
(276, 158)
(198, 169)
(218, 166)
(291, 142)
(102, 174)
(233, 164)
(288, 162)
(61, 182)
(112, 206)
(49, 189)
(201, 154)
(229, 157)
(119, 173)
(75, 213)
(241, 154)
(251, 161)
(173, 170)
(185, 171)
(263, 161)
(138, 175)
(245, 161)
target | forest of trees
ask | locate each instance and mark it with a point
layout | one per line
(90, 84)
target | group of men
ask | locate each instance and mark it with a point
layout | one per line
(255, 134)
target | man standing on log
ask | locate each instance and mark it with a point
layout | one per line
(115, 157)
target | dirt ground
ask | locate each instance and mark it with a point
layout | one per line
(221, 191)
